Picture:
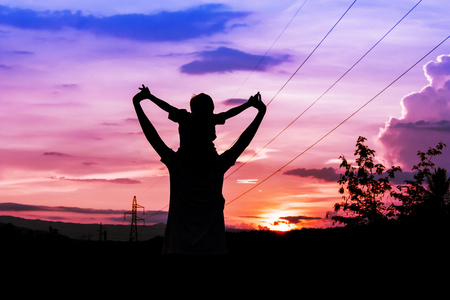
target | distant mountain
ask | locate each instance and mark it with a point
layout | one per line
(87, 231)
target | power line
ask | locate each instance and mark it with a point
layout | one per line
(341, 123)
(151, 186)
(293, 74)
(157, 212)
(312, 52)
(323, 94)
(267, 52)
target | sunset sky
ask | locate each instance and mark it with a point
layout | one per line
(71, 148)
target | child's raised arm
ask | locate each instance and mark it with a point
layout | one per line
(160, 103)
(248, 134)
(238, 109)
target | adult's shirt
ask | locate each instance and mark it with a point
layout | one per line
(195, 222)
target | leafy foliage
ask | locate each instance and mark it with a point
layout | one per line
(427, 196)
(364, 188)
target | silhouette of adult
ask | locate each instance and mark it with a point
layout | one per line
(195, 223)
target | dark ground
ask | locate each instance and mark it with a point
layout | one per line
(393, 242)
(335, 257)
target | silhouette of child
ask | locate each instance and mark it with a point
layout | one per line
(197, 129)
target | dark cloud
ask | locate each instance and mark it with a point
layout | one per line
(122, 180)
(203, 20)
(443, 126)
(330, 175)
(70, 86)
(21, 52)
(400, 177)
(234, 101)
(5, 67)
(132, 121)
(327, 174)
(26, 207)
(298, 219)
(56, 154)
(116, 180)
(251, 217)
(116, 214)
(225, 59)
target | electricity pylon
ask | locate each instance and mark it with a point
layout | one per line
(101, 233)
(134, 219)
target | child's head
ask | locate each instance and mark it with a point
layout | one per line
(202, 104)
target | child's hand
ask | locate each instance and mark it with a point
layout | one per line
(143, 94)
(256, 102)
(252, 100)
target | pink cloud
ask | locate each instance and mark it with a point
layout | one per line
(425, 119)
(438, 72)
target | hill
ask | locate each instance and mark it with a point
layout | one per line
(86, 231)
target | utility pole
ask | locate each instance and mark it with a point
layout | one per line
(134, 219)
(101, 233)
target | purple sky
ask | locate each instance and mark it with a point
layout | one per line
(69, 137)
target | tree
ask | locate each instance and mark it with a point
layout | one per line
(439, 189)
(427, 195)
(364, 189)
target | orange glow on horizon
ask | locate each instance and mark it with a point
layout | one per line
(275, 222)
(280, 226)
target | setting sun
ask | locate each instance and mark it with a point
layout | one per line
(275, 222)
(280, 226)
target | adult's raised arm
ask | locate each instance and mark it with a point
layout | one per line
(248, 134)
(147, 127)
